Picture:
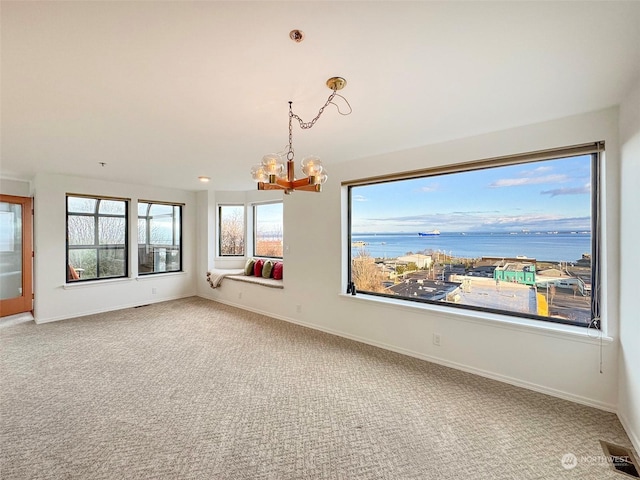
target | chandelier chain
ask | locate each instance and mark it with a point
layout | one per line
(306, 125)
(275, 174)
(290, 154)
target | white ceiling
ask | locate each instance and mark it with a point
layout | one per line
(166, 91)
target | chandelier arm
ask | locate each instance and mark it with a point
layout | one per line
(283, 184)
(310, 188)
(269, 186)
(300, 182)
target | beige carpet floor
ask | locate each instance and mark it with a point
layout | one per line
(193, 389)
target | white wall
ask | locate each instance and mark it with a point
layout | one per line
(53, 299)
(204, 230)
(19, 188)
(563, 363)
(629, 379)
(208, 223)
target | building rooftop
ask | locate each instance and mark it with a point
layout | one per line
(423, 288)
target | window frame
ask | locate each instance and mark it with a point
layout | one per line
(244, 230)
(96, 234)
(175, 235)
(595, 150)
(254, 208)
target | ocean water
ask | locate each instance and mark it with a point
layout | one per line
(564, 246)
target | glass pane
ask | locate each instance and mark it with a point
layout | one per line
(172, 260)
(84, 262)
(158, 209)
(145, 258)
(513, 238)
(159, 250)
(232, 228)
(161, 231)
(176, 225)
(142, 209)
(81, 230)
(81, 205)
(142, 230)
(111, 230)
(268, 230)
(113, 207)
(111, 261)
(158, 259)
(10, 250)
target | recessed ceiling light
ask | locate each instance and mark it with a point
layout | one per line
(204, 179)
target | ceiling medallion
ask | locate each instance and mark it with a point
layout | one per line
(296, 35)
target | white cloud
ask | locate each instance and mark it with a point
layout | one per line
(514, 182)
(434, 187)
(473, 221)
(584, 190)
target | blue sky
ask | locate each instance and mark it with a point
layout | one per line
(542, 196)
(269, 218)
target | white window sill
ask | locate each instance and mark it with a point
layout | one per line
(93, 283)
(540, 327)
(151, 276)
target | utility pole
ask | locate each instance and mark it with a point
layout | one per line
(547, 294)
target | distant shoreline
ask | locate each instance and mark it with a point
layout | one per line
(555, 247)
(466, 232)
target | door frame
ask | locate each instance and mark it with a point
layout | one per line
(24, 303)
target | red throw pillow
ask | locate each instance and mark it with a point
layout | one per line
(257, 268)
(277, 270)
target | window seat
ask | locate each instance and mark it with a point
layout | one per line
(216, 275)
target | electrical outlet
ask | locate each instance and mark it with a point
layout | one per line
(154, 290)
(298, 308)
(436, 339)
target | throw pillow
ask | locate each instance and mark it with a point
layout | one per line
(257, 268)
(248, 267)
(267, 268)
(277, 270)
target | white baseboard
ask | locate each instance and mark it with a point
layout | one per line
(40, 320)
(440, 361)
(633, 436)
(476, 371)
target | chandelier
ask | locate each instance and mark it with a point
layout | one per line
(277, 170)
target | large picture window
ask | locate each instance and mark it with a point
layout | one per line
(515, 236)
(267, 230)
(159, 237)
(96, 238)
(231, 230)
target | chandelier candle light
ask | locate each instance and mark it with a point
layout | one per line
(276, 174)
